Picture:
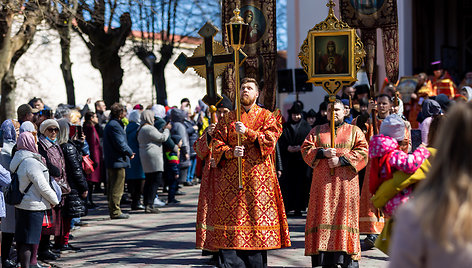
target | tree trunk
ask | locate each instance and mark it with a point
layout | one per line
(112, 78)
(158, 74)
(7, 105)
(66, 65)
(159, 81)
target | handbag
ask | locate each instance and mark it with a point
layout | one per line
(48, 220)
(87, 164)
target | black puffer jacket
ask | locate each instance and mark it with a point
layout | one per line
(74, 205)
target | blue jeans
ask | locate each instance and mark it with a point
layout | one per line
(191, 169)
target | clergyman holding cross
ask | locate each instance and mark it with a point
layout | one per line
(250, 220)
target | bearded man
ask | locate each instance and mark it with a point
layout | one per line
(332, 223)
(249, 221)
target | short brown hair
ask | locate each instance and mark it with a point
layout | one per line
(116, 109)
(249, 80)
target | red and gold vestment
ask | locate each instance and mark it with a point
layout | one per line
(332, 222)
(251, 218)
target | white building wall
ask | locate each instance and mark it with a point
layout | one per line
(39, 75)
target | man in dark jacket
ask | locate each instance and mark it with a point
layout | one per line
(117, 158)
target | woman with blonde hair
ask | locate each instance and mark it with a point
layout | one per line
(433, 229)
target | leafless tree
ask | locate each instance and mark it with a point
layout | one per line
(104, 26)
(27, 14)
(164, 25)
(61, 17)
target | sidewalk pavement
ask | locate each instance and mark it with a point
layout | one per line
(168, 240)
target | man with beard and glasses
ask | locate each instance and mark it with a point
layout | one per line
(332, 225)
(251, 219)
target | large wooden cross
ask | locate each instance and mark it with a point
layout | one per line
(209, 61)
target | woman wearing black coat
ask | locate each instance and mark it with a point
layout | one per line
(74, 205)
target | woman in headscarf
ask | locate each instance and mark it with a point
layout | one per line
(8, 219)
(74, 205)
(96, 154)
(152, 159)
(467, 93)
(33, 176)
(135, 173)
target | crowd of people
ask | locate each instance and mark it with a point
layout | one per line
(63, 157)
(356, 185)
(391, 164)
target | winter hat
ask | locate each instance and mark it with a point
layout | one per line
(431, 107)
(393, 126)
(48, 123)
(138, 107)
(297, 108)
(345, 102)
(159, 110)
(27, 126)
(8, 130)
(311, 113)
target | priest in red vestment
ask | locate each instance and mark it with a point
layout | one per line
(332, 223)
(203, 147)
(249, 221)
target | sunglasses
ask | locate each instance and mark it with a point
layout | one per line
(52, 129)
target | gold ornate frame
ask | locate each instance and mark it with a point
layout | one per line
(332, 26)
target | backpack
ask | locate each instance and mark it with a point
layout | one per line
(13, 196)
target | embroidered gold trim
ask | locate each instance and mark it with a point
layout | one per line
(237, 228)
(333, 228)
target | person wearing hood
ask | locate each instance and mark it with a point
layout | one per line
(177, 117)
(467, 93)
(430, 109)
(294, 182)
(74, 204)
(134, 173)
(152, 158)
(33, 177)
(7, 212)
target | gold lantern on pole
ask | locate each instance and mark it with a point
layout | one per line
(236, 31)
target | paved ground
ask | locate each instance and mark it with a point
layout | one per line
(168, 240)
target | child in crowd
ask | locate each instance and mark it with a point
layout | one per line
(388, 154)
(173, 169)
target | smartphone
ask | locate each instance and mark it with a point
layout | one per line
(79, 131)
